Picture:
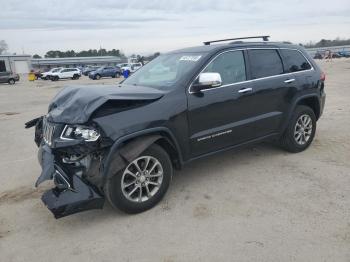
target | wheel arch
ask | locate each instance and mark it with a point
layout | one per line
(310, 100)
(128, 147)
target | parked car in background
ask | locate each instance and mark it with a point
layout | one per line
(89, 69)
(344, 53)
(318, 55)
(65, 73)
(132, 67)
(105, 71)
(8, 77)
(123, 65)
(47, 75)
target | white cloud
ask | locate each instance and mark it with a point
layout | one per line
(148, 26)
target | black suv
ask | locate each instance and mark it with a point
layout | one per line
(121, 142)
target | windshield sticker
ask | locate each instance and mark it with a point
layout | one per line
(192, 58)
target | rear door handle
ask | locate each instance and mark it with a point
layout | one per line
(245, 90)
(289, 80)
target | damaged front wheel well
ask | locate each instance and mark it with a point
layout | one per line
(163, 140)
(171, 150)
(126, 150)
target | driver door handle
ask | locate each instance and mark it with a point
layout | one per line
(245, 90)
(289, 80)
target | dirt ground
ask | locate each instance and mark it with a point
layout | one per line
(258, 204)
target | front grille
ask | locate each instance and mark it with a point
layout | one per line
(48, 131)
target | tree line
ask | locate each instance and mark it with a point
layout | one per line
(84, 53)
(328, 43)
(95, 52)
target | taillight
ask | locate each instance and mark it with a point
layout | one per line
(323, 76)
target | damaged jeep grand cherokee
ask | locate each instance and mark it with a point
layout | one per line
(121, 142)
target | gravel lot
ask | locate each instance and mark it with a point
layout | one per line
(258, 204)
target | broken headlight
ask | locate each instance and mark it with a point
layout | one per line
(77, 132)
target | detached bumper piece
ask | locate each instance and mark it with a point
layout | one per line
(71, 197)
(71, 194)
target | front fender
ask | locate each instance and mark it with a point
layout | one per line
(121, 154)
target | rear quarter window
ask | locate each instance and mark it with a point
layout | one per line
(294, 61)
(265, 62)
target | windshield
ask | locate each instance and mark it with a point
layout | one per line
(165, 70)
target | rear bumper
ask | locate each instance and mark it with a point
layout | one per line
(72, 193)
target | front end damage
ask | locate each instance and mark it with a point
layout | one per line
(73, 165)
(75, 149)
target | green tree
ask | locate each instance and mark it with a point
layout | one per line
(36, 56)
(84, 53)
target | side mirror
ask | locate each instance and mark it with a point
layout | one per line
(206, 81)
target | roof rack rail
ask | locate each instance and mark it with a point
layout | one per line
(264, 38)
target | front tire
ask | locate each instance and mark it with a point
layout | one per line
(300, 131)
(97, 77)
(143, 183)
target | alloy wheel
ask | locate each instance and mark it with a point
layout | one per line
(142, 179)
(303, 129)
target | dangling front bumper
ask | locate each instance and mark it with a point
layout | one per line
(72, 193)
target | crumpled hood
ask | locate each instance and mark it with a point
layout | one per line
(75, 104)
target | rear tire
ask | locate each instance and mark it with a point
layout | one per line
(97, 77)
(123, 189)
(11, 81)
(300, 131)
(75, 77)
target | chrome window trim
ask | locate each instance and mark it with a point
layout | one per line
(251, 80)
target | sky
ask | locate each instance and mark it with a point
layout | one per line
(148, 26)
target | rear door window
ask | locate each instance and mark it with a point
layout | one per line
(265, 62)
(294, 61)
(230, 66)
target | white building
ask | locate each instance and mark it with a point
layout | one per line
(47, 63)
(19, 64)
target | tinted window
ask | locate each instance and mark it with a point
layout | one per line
(230, 66)
(294, 61)
(265, 62)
